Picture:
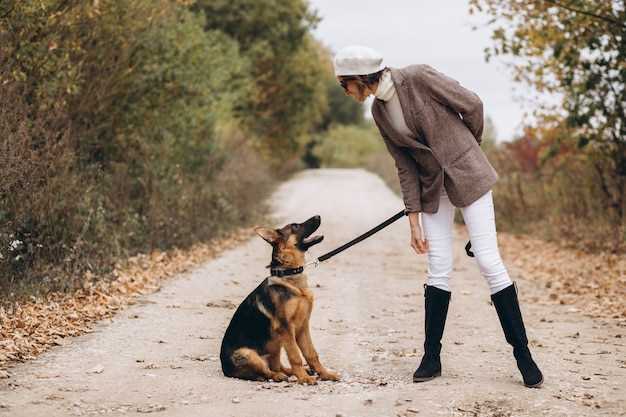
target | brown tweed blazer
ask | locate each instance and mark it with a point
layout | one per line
(446, 120)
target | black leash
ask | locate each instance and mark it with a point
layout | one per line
(364, 236)
(292, 271)
(370, 232)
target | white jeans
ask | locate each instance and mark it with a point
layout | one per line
(479, 218)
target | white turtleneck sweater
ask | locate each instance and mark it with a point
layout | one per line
(387, 93)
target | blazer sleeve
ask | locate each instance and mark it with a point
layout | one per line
(449, 92)
(408, 175)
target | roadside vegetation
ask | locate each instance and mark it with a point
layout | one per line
(133, 126)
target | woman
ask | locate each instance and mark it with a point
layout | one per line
(432, 127)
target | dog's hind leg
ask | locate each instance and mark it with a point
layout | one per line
(250, 365)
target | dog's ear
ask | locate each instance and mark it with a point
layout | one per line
(270, 235)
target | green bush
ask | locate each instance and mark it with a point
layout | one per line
(347, 146)
(287, 66)
(124, 127)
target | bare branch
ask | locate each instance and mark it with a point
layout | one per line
(604, 18)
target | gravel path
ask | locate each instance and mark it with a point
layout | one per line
(161, 355)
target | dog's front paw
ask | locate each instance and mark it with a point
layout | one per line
(330, 376)
(307, 379)
(279, 377)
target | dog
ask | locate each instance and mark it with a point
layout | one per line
(276, 315)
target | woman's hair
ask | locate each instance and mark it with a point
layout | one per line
(364, 80)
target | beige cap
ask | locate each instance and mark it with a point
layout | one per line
(357, 60)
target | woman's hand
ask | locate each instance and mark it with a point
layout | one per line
(418, 240)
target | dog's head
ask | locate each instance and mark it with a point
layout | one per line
(291, 242)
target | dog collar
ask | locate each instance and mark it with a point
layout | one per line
(282, 272)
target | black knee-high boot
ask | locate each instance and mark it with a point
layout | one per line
(436, 309)
(507, 306)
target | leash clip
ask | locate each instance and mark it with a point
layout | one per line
(315, 263)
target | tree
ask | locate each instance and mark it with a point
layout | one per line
(576, 48)
(287, 69)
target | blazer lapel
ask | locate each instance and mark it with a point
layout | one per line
(378, 108)
(405, 103)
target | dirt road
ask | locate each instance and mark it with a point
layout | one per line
(161, 355)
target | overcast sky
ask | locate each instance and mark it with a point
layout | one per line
(434, 32)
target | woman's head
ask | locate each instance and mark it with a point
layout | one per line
(358, 70)
(360, 87)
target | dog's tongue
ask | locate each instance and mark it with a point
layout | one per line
(312, 239)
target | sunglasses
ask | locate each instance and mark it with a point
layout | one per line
(344, 82)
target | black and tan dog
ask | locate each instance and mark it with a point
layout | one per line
(276, 315)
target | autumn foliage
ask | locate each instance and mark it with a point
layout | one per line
(575, 52)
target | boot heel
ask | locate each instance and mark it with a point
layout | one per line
(537, 385)
(426, 378)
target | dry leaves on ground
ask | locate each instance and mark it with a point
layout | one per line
(28, 329)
